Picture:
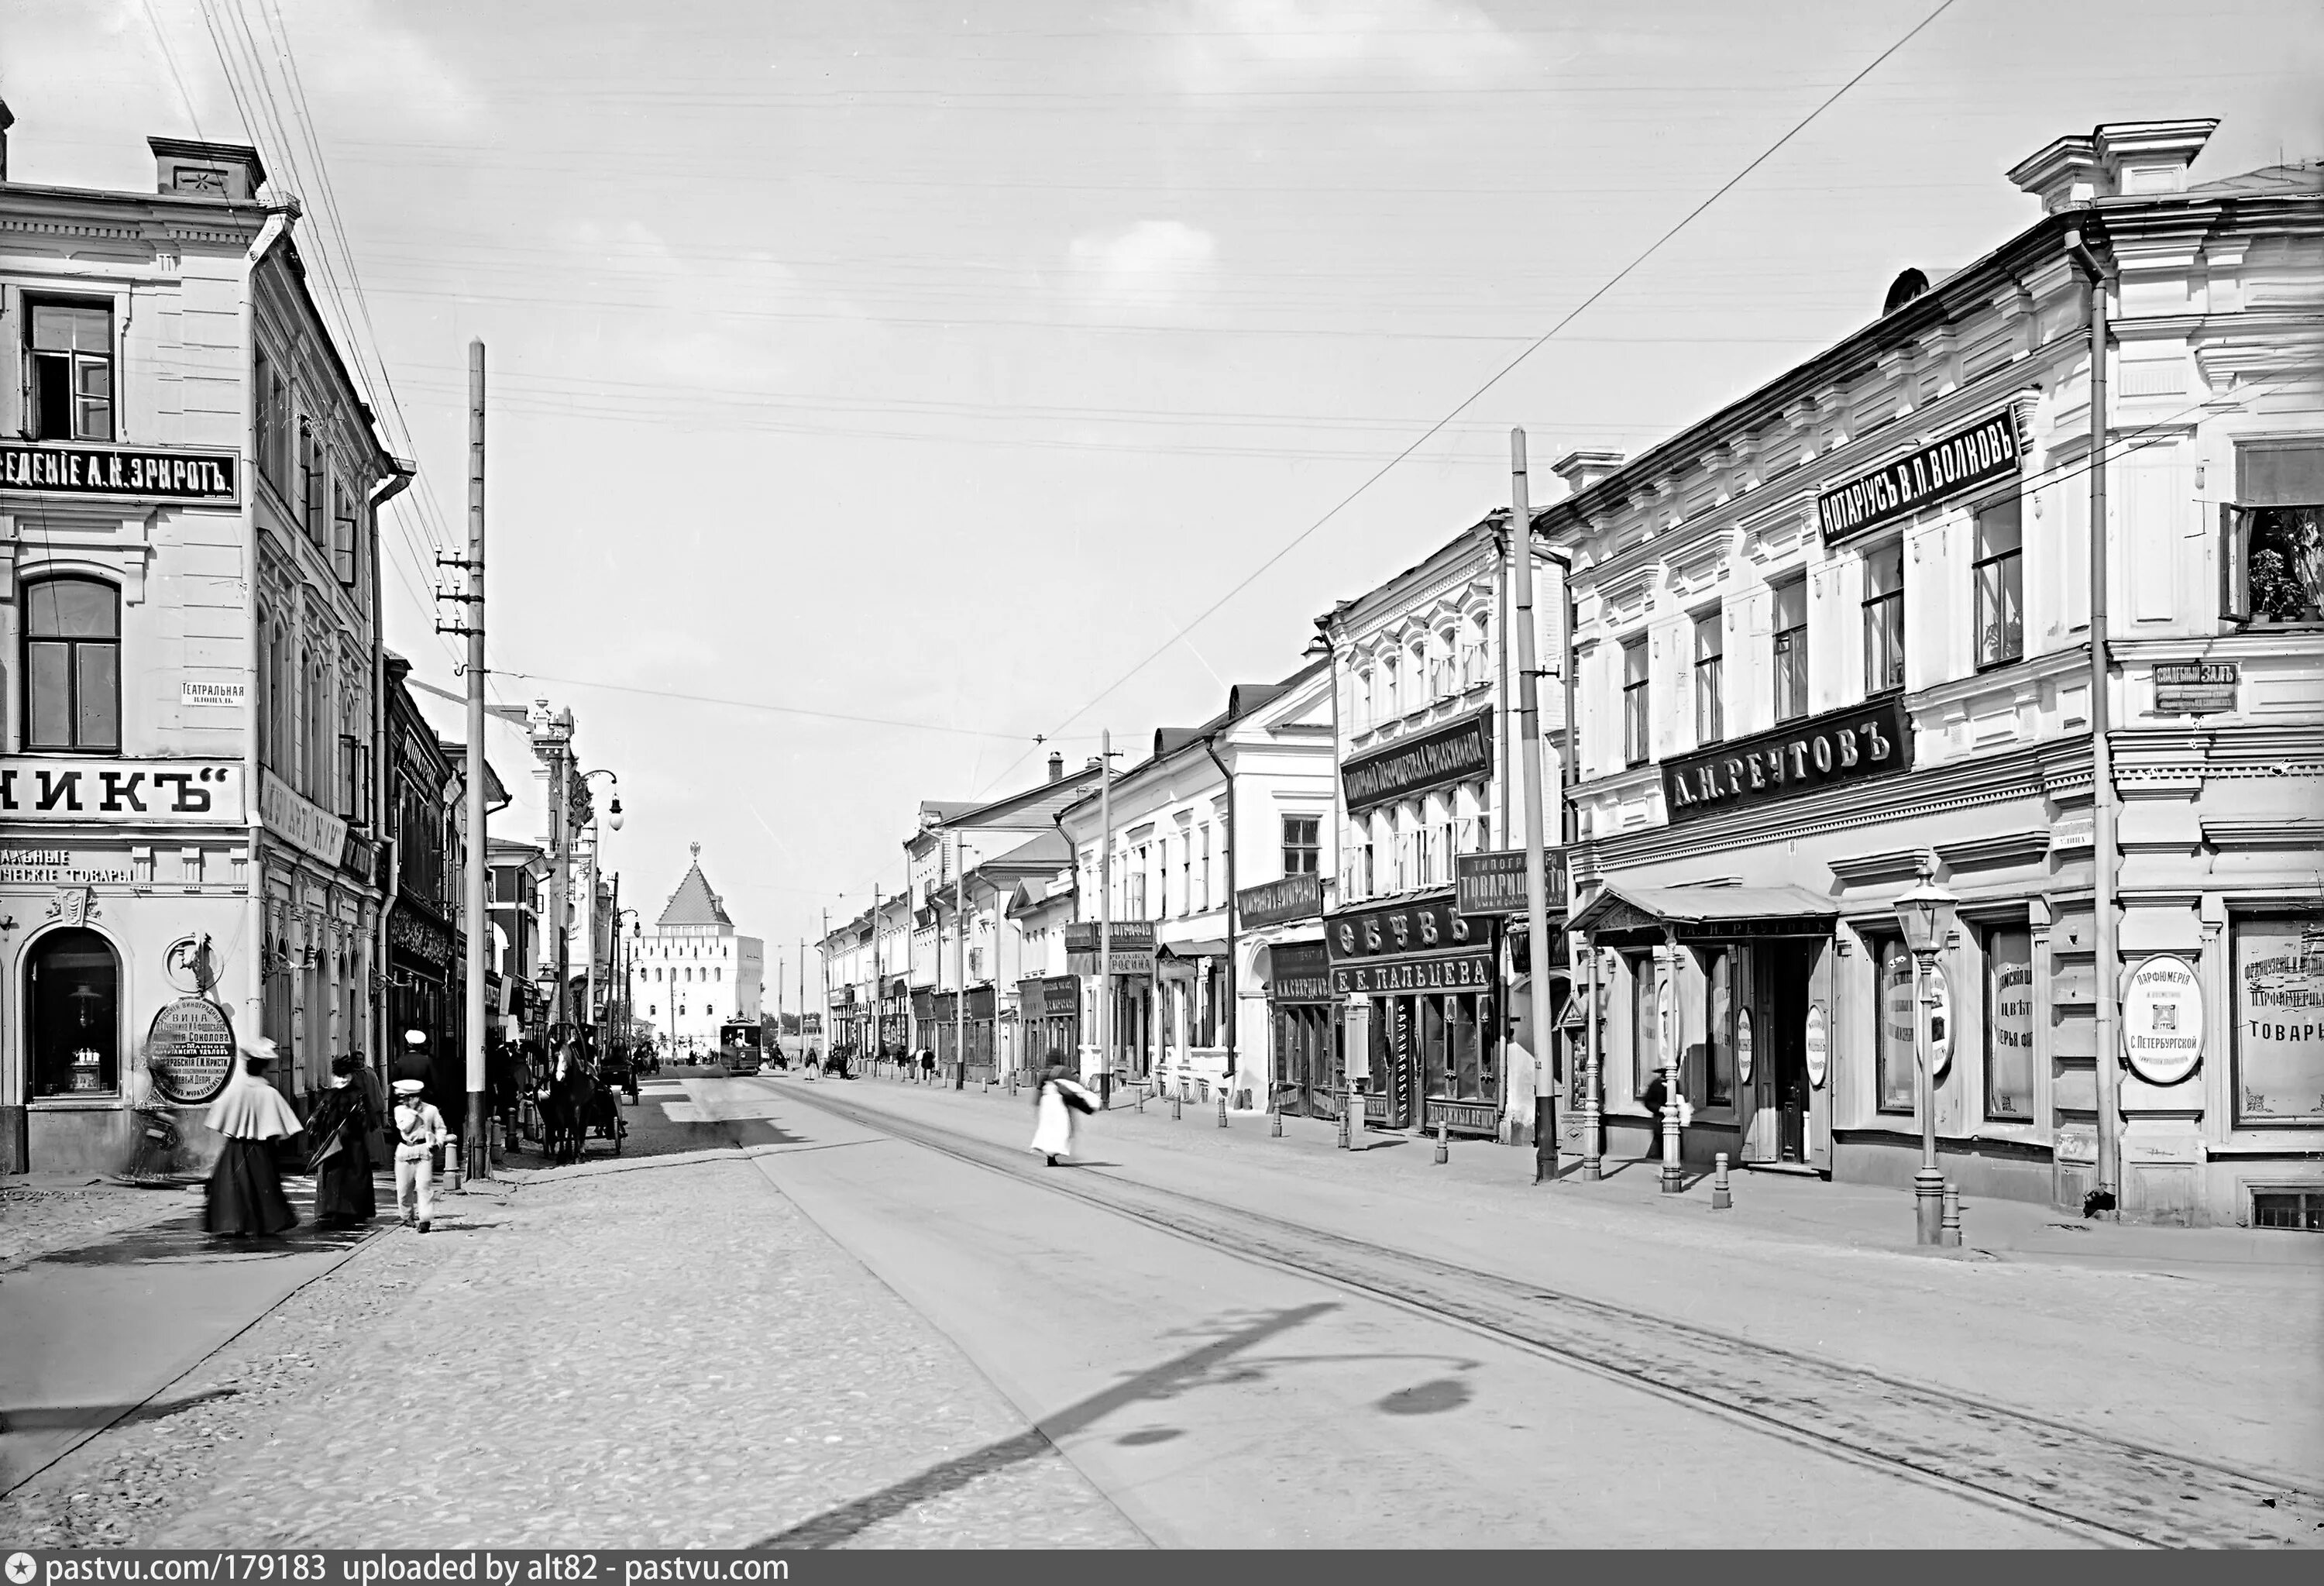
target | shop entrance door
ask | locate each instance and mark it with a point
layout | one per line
(1788, 967)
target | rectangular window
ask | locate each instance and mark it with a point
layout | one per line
(2279, 1012)
(1710, 681)
(1792, 650)
(1883, 619)
(2009, 1025)
(1645, 1024)
(1186, 872)
(1206, 868)
(1303, 844)
(1999, 571)
(345, 532)
(2274, 559)
(1893, 1035)
(1635, 742)
(68, 355)
(1719, 1033)
(72, 665)
(271, 396)
(314, 484)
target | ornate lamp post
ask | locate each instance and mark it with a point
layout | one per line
(1926, 915)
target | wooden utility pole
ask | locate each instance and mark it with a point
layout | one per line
(479, 926)
(1537, 1025)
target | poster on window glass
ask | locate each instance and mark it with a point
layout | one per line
(1897, 1014)
(2280, 1021)
(2009, 1026)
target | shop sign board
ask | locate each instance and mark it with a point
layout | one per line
(1299, 897)
(306, 826)
(1405, 930)
(1130, 941)
(1815, 1045)
(2162, 1020)
(1455, 971)
(423, 939)
(1495, 883)
(23, 864)
(117, 472)
(189, 1051)
(1743, 1054)
(1988, 449)
(2195, 688)
(1870, 739)
(197, 692)
(1298, 972)
(38, 788)
(1457, 751)
(1939, 1011)
(1049, 996)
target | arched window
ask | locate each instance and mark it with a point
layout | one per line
(72, 991)
(72, 665)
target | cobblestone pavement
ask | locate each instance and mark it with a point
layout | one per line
(47, 1213)
(663, 1356)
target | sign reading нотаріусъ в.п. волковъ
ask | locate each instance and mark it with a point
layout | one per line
(1988, 449)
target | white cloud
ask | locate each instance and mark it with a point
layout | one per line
(1152, 267)
(1255, 44)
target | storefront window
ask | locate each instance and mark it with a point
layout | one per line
(2009, 1025)
(1719, 1035)
(1435, 1055)
(1894, 1031)
(1645, 1050)
(1470, 1069)
(2279, 1008)
(72, 986)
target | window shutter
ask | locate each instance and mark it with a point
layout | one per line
(2234, 564)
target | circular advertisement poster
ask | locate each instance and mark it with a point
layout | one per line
(2162, 1021)
(1815, 1045)
(1743, 1044)
(190, 1051)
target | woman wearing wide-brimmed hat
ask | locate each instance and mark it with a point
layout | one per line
(245, 1187)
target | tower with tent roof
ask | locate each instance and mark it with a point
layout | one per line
(691, 971)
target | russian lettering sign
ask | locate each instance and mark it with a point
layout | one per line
(1871, 739)
(1458, 752)
(1988, 449)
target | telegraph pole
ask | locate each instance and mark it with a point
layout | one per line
(960, 965)
(1537, 1027)
(1105, 914)
(478, 923)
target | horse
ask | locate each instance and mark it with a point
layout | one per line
(563, 1104)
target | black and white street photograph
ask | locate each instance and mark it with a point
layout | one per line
(1383, 777)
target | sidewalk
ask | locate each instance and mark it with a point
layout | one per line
(43, 1211)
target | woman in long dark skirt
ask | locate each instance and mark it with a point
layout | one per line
(245, 1187)
(342, 1129)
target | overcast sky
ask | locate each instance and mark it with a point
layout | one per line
(938, 365)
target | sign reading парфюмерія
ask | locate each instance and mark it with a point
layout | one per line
(1988, 449)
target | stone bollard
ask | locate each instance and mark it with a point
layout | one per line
(1177, 1106)
(1443, 1142)
(1720, 1200)
(455, 1176)
(1275, 1122)
(1950, 1234)
(1222, 1109)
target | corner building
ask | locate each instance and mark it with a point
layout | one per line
(1836, 638)
(189, 622)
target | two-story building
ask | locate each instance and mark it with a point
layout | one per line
(1215, 870)
(1836, 638)
(190, 611)
(1425, 719)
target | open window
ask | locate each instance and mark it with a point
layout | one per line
(68, 371)
(2271, 551)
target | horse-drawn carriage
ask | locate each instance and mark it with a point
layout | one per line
(577, 1105)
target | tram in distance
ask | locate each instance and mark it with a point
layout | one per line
(738, 1050)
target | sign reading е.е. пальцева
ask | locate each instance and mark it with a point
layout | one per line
(1872, 740)
(1987, 449)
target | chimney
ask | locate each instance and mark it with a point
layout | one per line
(2125, 159)
(1056, 768)
(7, 120)
(185, 169)
(1580, 470)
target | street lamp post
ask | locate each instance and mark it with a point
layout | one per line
(589, 908)
(1926, 915)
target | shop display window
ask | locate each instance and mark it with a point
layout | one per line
(72, 991)
(1719, 1032)
(1645, 1051)
(2279, 1021)
(2009, 1025)
(1893, 1013)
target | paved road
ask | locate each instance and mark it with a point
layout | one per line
(1795, 1392)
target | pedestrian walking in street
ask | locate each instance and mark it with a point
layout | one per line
(374, 1094)
(245, 1188)
(342, 1128)
(414, 1062)
(1056, 1113)
(927, 1065)
(419, 1134)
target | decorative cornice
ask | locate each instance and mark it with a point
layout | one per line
(2002, 848)
(1894, 864)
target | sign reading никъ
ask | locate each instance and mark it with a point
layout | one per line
(1987, 449)
(40, 789)
(1871, 739)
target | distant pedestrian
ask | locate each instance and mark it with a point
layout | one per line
(413, 1063)
(343, 1128)
(1057, 1112)
(419, 1134)
(927, 1065)
(374, 1095)
(245, 1187)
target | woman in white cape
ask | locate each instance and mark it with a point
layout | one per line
(245, 1187)
(1056, 1114)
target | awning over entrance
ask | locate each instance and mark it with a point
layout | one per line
(1653, 914)
(1212, 947)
